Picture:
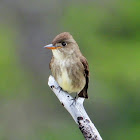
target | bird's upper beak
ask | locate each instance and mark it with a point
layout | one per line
(51, 46)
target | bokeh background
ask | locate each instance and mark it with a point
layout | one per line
(108, 33)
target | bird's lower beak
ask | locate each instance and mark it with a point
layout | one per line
(51, 46)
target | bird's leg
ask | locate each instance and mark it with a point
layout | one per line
(76, 96)
(59, 88)
(74, 99)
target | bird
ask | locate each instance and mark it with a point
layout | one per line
(68, 65)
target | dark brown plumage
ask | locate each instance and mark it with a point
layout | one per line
(69, 67)
(83, 93)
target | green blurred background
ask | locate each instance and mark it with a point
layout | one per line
(108, 33)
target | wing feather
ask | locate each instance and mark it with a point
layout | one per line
(83, 92)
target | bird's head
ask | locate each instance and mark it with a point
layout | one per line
(63, 44)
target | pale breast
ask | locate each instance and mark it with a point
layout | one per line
(71, 78)
(65, 81)
(68, 73)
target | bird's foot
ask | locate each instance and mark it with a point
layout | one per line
(74, 100)
(60, 89)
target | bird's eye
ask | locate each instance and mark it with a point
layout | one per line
(64, 43)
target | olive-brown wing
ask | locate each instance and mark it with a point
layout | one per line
(83, 92)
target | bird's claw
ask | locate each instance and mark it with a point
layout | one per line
(59, 88)
(74, 100)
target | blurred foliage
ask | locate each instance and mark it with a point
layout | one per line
(12, 81)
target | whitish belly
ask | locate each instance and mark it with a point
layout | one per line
(66, 83)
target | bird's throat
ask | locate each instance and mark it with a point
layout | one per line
(58, 54)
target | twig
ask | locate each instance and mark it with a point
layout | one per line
(76, 110)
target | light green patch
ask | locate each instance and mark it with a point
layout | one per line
(12, 78)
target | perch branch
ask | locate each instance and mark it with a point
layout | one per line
(77, 111)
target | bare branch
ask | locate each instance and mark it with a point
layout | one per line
(76, 110)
